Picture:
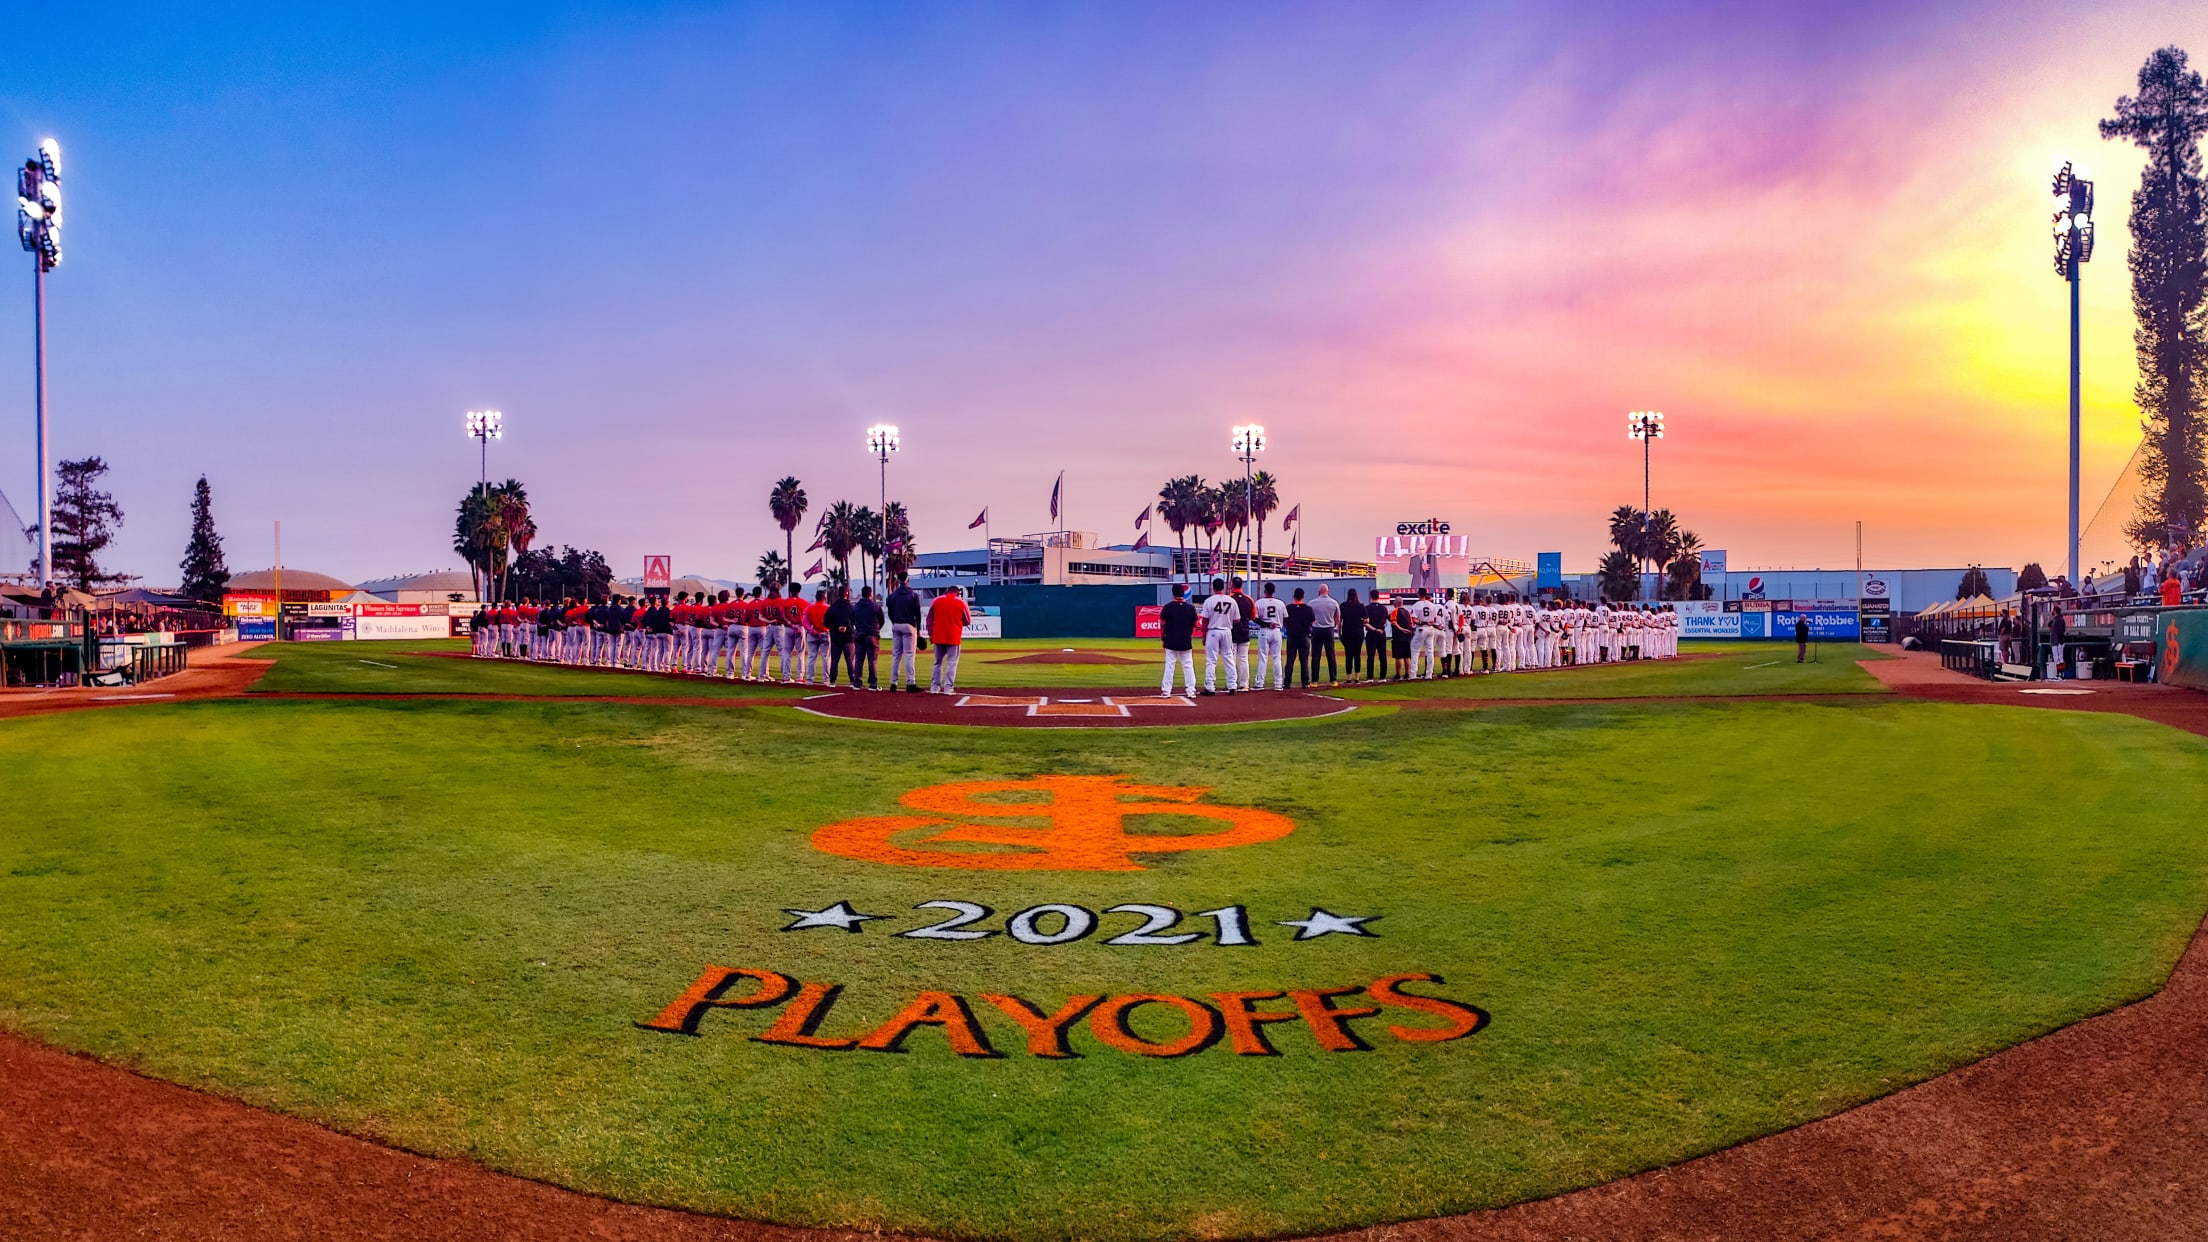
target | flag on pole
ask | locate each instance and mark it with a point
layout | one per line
(896, 545)
(1216, 564)
(1054, 490)
(818, 544)
(1142, 519)
(981, 519)
(1293, 514)
(814, 572)
(1142, 541)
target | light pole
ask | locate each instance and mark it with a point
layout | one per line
(2073, 249)
(1249, 441)
(485, 426)
(881, 440)
(1647, 426)
(38, 226)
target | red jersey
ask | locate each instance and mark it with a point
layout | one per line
(816, 618)
(579, 615)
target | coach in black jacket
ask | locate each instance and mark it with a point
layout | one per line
(1177, 634)
(1299, 622)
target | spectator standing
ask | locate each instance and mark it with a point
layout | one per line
(948, 618)
(2172, 590)
(1177, 635)
(1376, 640)
(1326, 620)
(1801, 640)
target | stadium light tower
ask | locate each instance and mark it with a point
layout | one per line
(881, 440)
(485, 426)
(1647, 426)
(38, 226)
(2073, 249)
(1249, 441)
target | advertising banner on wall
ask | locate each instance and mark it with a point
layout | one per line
(659, 573)
(256, 629)
(1548, 570)
(1875, 615)
(2181, 653)
(379, 628)
(1150, 623)
(1706, 618)
(1825, 624)
(987, 622)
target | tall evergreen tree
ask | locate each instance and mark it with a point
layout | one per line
(2169, 294)
(206, 574)
(85, 522)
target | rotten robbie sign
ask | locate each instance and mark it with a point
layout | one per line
(1069, 824)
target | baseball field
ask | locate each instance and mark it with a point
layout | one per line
(1243, 980)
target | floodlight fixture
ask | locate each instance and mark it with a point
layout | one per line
(881, 440)
(38, 228)
(1645, 425)
(2073, 250)
(1249, 439)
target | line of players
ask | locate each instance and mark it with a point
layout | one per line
(764, 636)
(1453, 635)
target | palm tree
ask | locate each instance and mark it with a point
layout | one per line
(520, 530)
(870, 539)
(1625, 530)
(1264, 499)
(1178, 508)
(1234, 514)
(1683, 576)
(1208, 510)
(840, 532)
(898, 554)
(482, 534)
(787, 503)
(1618, 575)
(773, 571)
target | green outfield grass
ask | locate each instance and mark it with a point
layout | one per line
(436, 922)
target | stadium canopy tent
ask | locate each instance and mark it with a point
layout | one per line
(1977, 606)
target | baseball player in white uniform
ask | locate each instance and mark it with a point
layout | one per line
(1272, 617)
(1219, 612)
(1425, 636)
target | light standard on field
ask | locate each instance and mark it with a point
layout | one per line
(485, 426)
(38, 226)
(1647, 426)
(2073, 249)
(1249, 441)
(881, 440)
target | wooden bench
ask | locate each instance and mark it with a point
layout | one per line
(2131, 670)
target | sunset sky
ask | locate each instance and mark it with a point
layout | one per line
(1439, 251)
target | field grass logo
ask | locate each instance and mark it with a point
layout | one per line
(1057, 823)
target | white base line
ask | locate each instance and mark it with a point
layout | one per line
(1766, 664)
(379, 664)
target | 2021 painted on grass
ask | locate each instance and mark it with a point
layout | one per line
(1082, 828)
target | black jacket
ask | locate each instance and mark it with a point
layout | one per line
(1300, 618)
(1801, 629)
(866, 620)
(839, 620)
(904, 606)
(1177, 625)
(1353, 616)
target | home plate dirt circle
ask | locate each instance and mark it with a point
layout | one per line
(1060, 708)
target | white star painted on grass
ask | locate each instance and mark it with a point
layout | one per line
(838, 915)
(1321, 923)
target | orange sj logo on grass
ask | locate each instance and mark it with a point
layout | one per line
(1079, 823)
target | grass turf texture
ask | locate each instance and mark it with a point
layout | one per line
(435, 922)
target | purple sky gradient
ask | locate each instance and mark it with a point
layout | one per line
(1438, 250)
